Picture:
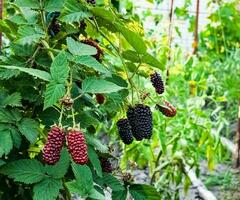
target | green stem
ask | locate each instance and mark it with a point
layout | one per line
(61, 115)
(73, 118)
(43, 18)
(45, 44)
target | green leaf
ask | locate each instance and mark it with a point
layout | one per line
(12, 100)
(112, 182)
(95, 161)
(33, 72)
(53, 5)
(80, 49)
(149, 59)
(2, 163)
(131, 56)
(16, 137)
(60, 168)
(91, 62)
(59, 68)
(6, 116)
(26, 171)
(29, 128)
(133, 39)
(28, 4)
(74, 188)
(96, 143)
(94, 85)
(119, 195)
(83, 177)
(6, 74)
(6, 143)
(74, 11)
(29, 35)
(96, 195)
(144, 192)
(53, 93)
(104, 14)
(48, 189)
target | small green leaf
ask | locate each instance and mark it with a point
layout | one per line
(6, 74)
(48, 189)
(119, 195)
(29, 128)
(60, 168)
(16, 137)
(94, 85)
(112, 182)
(53, 93)
(33, 72)
(74, 188)
(133, 39)
(6, 143)
(59, 68)
(80, 49)
(53, 5)
(29, 35)
(151, 60)
(95, 161)
(96, 143)
(7, 116)
(94, 194)
(26, 171)
(12, 100)
(104, 14)
(91, 62)
(131, 56)
(144, 192)
(28, 3)
(2, 163)
(83, 177)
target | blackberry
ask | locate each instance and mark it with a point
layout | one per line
(124, 130)
(157, 82)
(168, 109)
(77, 146)
(100, 98)
(55, 141)
(106, 165)
(91, 1)
(140, 118)
(92, 43)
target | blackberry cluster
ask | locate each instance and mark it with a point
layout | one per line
(55, 141)
(100, 98)
(140, 118)
(168, 109)
(124, 130)
(77, 147)
(91, 1)
(157, 82)
(106, 165)
(92, 43)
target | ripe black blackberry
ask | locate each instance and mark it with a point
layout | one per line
(167, 109)
(93, 43)
(55, 141)
(124, 130)
(157, 82)
(100, 98)
(77, 146)
(91, 1)
(106, 165)
(140, 118)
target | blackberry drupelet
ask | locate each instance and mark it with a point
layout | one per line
(52, 149)
(77, 146)
(168, 109)
(157, 82)
(124, 130)
(92, 43)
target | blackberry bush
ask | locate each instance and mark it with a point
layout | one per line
(157, 82)
(124, 131)
(55, 141)
(77, 146)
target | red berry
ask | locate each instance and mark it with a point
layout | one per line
(55, 141)
(168, 109)
(77, 146)
(100, 98)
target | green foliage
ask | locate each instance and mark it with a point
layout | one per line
(29, 128)
(144, 192)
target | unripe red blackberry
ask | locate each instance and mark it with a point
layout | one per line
(92, 43)
(100, 98)
(106, 165)
(140, 119)
(124, 130)
(157, 82)
(168, 109)
(77, 146)
(55, 141)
